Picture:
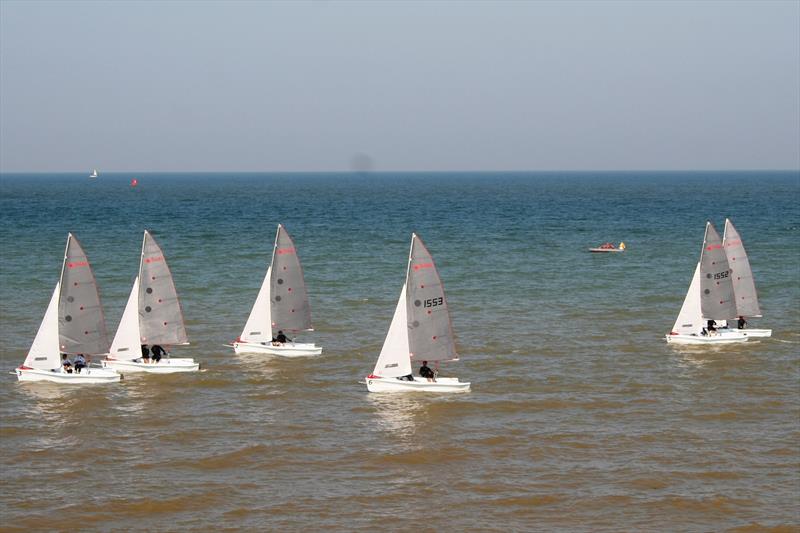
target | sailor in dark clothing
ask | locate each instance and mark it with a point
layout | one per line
(281, 338)
(742, 322)
(158, 351)
(145, 353)
(426, 372)
(712, 327)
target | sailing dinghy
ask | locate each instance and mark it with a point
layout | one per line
(93, 174)
(420, 331)
(73, 324)
(743, 282)
(710, 297)
(281, 306)
(152, 316)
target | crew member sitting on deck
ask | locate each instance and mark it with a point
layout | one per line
(65, 362)
(79, 362)
(280, 339)
(158, 351)
(742, 322)
(712, 327)
(426, 372)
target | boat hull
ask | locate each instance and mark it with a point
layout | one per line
(748, 332)
(727, 338)
(605, 250)
(285, 350)
(165, 366)
(85, 377)
(377, 384)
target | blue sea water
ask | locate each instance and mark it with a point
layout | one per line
(577, 401)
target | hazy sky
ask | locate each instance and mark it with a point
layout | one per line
(267, 86)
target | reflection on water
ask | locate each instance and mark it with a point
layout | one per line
(398, 413)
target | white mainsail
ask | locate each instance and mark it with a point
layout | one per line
(742, 275)
(282, 301)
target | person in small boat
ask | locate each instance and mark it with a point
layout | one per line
(712, 327)
(158, 351)
(66, 363)
(79, 362)
(742, 322)
(145, 353)
(280, 339)
(426, 372)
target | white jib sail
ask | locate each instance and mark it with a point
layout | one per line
(690, 318)
(44, 353)
(126, 344)
(395, 358)
(259, 324)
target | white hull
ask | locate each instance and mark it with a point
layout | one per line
(86, 376)
(290, 349)
(376, 384)
(165, 366)
(726, 338)
(748, 332)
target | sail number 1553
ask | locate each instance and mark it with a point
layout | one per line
(433, 302)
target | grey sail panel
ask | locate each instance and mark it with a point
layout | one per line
(288, 296)
(744, 286)
(716, 288)
(430, 333)
(81, 323)
(160, 313)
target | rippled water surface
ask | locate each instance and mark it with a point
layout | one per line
(581, 417)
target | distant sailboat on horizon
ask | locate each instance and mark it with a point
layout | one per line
(94, 173)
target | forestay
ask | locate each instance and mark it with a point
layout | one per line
(290, 309)
(744, 286)
(160, 314)
(716, 288)
(81, 324)
(430, 333)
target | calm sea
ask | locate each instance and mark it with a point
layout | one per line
(581, 417)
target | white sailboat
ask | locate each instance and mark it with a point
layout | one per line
(710, 297)
(281, 306)
(93, 174)
(73, 324)
(743, 282)
(420, 331)
(152, 316)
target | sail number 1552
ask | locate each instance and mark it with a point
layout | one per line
(433, 302)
